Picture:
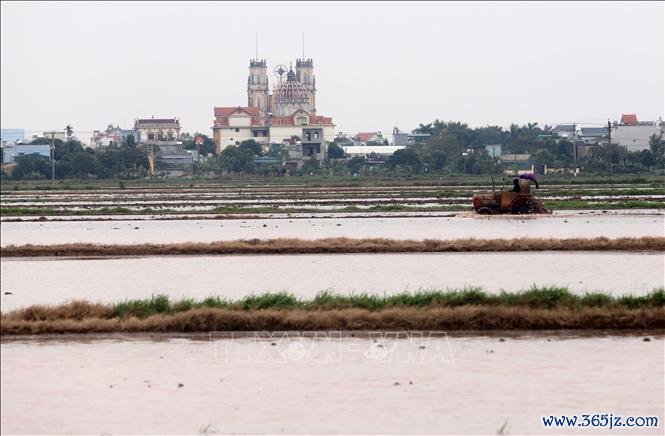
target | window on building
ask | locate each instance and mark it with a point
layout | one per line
(237, 129)
(255, 133)
(316, 135)
(237, 142)
(151, 136)
(309, 136)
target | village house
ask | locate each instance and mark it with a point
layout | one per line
(162, 132)
(111, 136)
(633, 134)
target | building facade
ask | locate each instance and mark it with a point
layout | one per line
(113, 135)
(403, 138)
(157, 130)
(633, 134)
(233, 125)
(11, 152)
(11, 136)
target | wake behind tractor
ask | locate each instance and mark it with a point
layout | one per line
(519, 200)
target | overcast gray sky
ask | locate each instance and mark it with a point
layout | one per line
(377, 65)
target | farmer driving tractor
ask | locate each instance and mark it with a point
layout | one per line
(522, 184)
(516, 201)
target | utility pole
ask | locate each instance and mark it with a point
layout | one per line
(52, 155)
(609, 149)
(574, 147)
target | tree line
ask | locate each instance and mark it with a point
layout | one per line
(452, 148)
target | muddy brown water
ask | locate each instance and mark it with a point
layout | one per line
(53, 281)
(456, 385)
(173, 231)
(302, 202)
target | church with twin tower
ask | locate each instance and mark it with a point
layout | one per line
(293, 91)
(283, 114)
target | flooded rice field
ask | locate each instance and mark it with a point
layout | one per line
(133, 231)
(332, 384)
(301, 198)
(464, 384)
(109, 280)
(63, 204)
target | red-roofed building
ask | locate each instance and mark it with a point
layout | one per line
(633, 134)
(233, 125)
(284, 128)
(364, 137)
(629, 119)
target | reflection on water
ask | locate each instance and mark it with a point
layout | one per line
(184, 386)
(51, 281)
(126, 232)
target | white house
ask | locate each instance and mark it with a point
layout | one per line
(634, 135)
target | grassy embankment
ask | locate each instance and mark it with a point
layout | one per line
(468, 309)
(338, 245)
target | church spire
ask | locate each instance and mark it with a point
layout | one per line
(290, 76)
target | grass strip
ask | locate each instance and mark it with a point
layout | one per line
(338, 245)
(467, 309)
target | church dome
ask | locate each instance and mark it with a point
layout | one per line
(290, 96)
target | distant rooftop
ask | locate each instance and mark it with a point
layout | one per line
(148, 121)
(629, 119)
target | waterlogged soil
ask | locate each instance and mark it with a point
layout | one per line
(109, 280)
(296, 197)
(451, 227)
(62, 204)
(331, 384)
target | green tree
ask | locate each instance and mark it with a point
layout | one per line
(657, 148)
(356, 165)
(71, 146)
(31, 166)
(405, 159)
(129, 141)
(480, 162)
(311, 166)
(489, 135)
(207, 148)
(441, 151)
(335, 151)
(83, 165)
(544, 157)
(339, 168)
(252, 146)
(123, 163)
(237, 160)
